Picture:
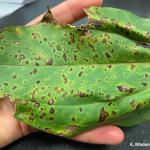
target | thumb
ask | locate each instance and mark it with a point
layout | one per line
(11, 129)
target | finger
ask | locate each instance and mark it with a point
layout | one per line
(72, 10)
(69, 11)
(102, 135)
(10, 128)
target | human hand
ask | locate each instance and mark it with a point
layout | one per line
(12, 129)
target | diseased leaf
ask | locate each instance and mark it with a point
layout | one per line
(66, 79)
(120, 21)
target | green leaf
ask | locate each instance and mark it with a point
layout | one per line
(120, 21)
(66, 79)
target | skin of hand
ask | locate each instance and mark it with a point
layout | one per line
(12, 129)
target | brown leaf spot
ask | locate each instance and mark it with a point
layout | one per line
(107, 55)
(113, 113)
(58, 89)
(86, 33)
(109, 66)
(109, 104)
(103, 115)
(81, 73)
(51, 101)
(123, 88)
(146, 75)
(92, 47)
(43, 97)
(51, 118)
(14, 87)
(49, 62)
(95, 56)
(38, 81)
(15, 76)
(45, 39)
(52, 111)
(6, 84)
(42, 115)
(105, 40)
(64, 94)
(34, 70)
(35, 35)
(71, 129)
(72, 38)
(31, 118)
(136, 106)
(107, 80)
(58, 47)
(65, 56)
(48, 18)
(139, 106)
(144, 84)
(33, 96)
(36, 64)
(37, 105)
(107, 97)
(81, 94)
(98, 81)
(49, 94)
(73, 119)
(21, 57)
(132, 66)
(80, 109)
(65, 79)
(72, 91)
(70, 69)
(75, 57)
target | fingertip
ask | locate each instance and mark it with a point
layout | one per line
(111, 135)
(116, 135)
(70, 11)
(88, 3)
